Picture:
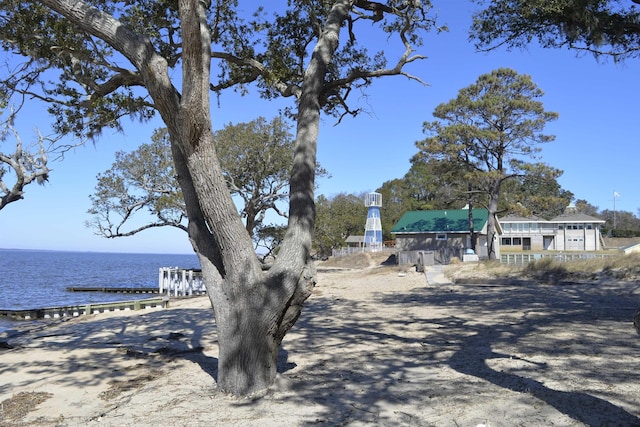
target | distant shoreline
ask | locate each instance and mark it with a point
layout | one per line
(93, 252)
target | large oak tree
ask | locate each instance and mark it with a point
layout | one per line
(141, 191)
(96, 62)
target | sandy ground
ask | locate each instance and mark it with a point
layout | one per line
(373, 347)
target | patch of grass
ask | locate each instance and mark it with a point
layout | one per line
(549, 270)
(117, 387)
(616, 267)
(622, 267)
(480, 270)
(17, 407)
(546, 270)
(359, 260)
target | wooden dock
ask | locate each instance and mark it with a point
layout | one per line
(113, 290)
(79, 310)
(172, 282)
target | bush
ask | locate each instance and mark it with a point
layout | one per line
(624, 233)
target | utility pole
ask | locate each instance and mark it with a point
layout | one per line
(615, 196)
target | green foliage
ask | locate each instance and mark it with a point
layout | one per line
(597, 26)
(256, 158)
(622, 233)
(76, 75)
(121, 64)
(140, 181)
(337, 218)
(487, 132)
(620, 223)
(586, 208)
(89, 86)
(536, 194)
(427, 185)
(397, 200)
(268, 239)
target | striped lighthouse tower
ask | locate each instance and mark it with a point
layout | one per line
(373, 227)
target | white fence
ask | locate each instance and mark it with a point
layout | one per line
(342, 252)
(525, 258)
(178, 282)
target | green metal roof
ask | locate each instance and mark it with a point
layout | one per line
(443, 221)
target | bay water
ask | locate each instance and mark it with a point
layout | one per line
(38, 279)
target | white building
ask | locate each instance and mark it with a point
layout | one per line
(566, 232)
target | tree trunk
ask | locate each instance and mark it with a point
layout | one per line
(472, 233)
(252, 318)
(491, 224)
(254, 311)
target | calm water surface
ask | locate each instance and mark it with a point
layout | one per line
(37, 279)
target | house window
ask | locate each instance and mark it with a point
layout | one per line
(441, 237)
(533, 226)
(506, 241)
(517, 241)
(589, 226)
(561, 227)
(581, 227)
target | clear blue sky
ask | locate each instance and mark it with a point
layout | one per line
(596, 138)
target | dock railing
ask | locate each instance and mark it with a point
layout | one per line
(179, 282)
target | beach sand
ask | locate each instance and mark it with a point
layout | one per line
(374, 346)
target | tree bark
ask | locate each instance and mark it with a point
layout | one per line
(258, 316)
(472, 233)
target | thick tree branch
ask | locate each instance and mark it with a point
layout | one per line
(258, 70)
(28, 166)
(398, 69)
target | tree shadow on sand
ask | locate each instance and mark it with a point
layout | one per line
(406, 357)
(401, 358)
(110, 342)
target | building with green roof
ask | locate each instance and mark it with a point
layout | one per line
(446, 231)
